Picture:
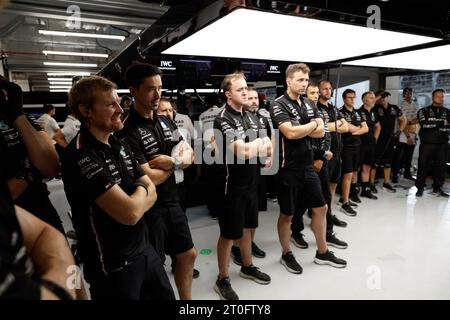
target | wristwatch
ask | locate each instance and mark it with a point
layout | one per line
(176, 164)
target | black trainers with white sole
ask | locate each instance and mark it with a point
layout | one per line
(389, 188)
(251, 272)
(348, 210)
(335, 242)
(224, 289)
(349, 201)
(288, 260)
(440, 193)
(328, 258)
(298, 240)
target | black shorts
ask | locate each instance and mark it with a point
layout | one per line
(368, 154)
(384, 152)
(334, 168)
(240, 211)
(299, 187)
(143, 279)
(168, 228)
(350, 159)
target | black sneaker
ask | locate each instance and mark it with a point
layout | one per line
(348, 210)
(224, 289)
(389, 188)
(298, 241)
(410, 178)
(368, 194)
(257, 252)
(351, 203)
(335, 242)
(236, 253)
(337, 222)
(288, 260)
(330, 259)
(440, 193)
(419, 192)
(195, 273)
(394, 179)
(253, 273)
(355, 198)
(373, 189)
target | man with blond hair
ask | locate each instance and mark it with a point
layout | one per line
(240, 141)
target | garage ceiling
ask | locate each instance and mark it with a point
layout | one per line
(22, 44)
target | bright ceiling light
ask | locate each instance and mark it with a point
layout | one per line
(79, 54)
(81, 34)
(67, 64)
(289, 38)
(60, 82)
(60, 87)
(123, 91)
(59, 90)
(71, 74)
(432, 59)
(59, 79)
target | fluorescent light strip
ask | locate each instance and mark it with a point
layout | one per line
(59, 79)
(59, 90)
(175, 90)
(67, 64)
(81, 34)
(79, 54)
(291, 38)
(61, 82)
(432, 59)
(71, 74)
(60, 87)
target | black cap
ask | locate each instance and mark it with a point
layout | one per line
(407, 89)
(382, 93)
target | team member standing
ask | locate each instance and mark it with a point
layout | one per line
(388, 115)
(434, 123)
(160, 151)
(109, 194)
(336, 125)
(252, 106)
(298, 121)
(322, 154)
(368, 142)
(30, 156)
(351, 142)
(241, 141)
(407, 140)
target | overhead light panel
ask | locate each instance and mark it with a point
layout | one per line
(67, 64)
(289, 38)
(59, 79)
(78, 54)
(71, 74)
(59, 90)
(60, 87)
(60, 82)
(432, 59)
(81, 34)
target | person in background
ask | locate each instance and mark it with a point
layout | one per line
(322, 154)
(406, 143)
(434, 123)
(47, 120)
(368, 143)
(388, 115)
